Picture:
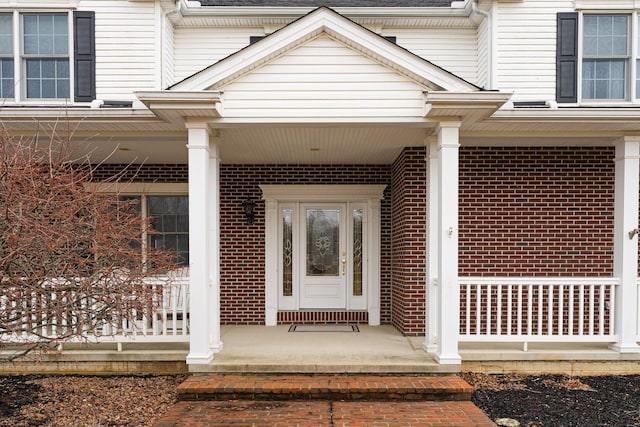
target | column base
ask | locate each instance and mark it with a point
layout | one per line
(200, 358)
(216, 347)
(374, 317)
(271, 317)
(429, 347)
(448, 359)
(625, 348)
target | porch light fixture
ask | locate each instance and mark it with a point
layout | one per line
(249, 207)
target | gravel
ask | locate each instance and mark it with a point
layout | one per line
(136, 401)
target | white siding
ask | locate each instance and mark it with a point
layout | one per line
(125, 47)
(455, 50)
(527, 48)
(197, 48)
(168, 54)
(323, 78)
(483, 33)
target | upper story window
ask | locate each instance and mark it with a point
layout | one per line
(47, 56)
(598, 58)
(6, 56)
(605, 57)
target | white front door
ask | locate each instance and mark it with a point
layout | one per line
(323, 271)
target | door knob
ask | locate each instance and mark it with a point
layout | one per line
(344, 266)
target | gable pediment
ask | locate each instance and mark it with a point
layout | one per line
(324, 23)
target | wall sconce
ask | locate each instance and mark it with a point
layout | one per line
(249, 208)
(633, 233)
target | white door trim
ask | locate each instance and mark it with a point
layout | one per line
(273, 195)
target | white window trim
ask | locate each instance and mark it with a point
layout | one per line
(20, 80)
(633, 58)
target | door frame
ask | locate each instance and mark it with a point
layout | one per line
(277, 197)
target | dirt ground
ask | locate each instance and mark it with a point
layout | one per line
(534, 401)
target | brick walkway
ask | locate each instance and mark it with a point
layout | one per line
(323, 400)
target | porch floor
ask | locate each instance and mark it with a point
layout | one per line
(379, 349)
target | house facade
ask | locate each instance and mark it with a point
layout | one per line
(463, 170)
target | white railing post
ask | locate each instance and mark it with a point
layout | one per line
(625, 243)
(532, 319)
(448, 288)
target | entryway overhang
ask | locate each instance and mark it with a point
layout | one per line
(322, 90)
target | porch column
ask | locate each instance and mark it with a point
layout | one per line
(201, 191)
(625, 245)
(214, 242)
(431, 315)
(447, 262)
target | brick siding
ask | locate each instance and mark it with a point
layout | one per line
(409, 228)
(536, 211)
(529, 211)
(242, 245)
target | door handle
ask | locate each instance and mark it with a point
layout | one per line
(344, 266)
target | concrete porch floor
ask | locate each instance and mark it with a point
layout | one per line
(379, 349)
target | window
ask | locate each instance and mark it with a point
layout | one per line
(6, 56)
(45, 46)
(43, 54)
(170, 217)
(605, 63)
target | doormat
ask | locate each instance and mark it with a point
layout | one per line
(324, 328)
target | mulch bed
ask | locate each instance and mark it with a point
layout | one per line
(136, 401)
(557, 400)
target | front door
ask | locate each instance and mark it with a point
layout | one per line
(323, 283)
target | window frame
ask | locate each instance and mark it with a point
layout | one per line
(20, 58)
(25, 57)
(11, 56)
(144, 190)
(632, 60)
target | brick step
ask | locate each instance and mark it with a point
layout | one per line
(323, 387)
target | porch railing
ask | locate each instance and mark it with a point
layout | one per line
(164, 318)
(537, 309)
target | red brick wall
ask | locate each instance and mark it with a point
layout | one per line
(409, 252)
(242, 245)
(536, 211)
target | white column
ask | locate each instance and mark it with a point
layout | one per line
(625, 246)
(432, 305)
(373, 304)
(271, 262)
(448, 295)
(200, 351)
(214, 244)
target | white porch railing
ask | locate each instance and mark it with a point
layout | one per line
(537, 309)
(163, 319)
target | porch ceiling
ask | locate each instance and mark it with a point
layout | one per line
(264, 145)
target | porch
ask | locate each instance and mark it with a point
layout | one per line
(373, 350)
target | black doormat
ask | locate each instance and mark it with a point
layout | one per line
(324, 328)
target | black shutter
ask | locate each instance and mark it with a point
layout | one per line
(84, 46)
(567, 58)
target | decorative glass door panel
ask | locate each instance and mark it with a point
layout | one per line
(323, 284)
(323, 242)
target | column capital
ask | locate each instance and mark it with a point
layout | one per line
(627, 147)
(449, 124)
